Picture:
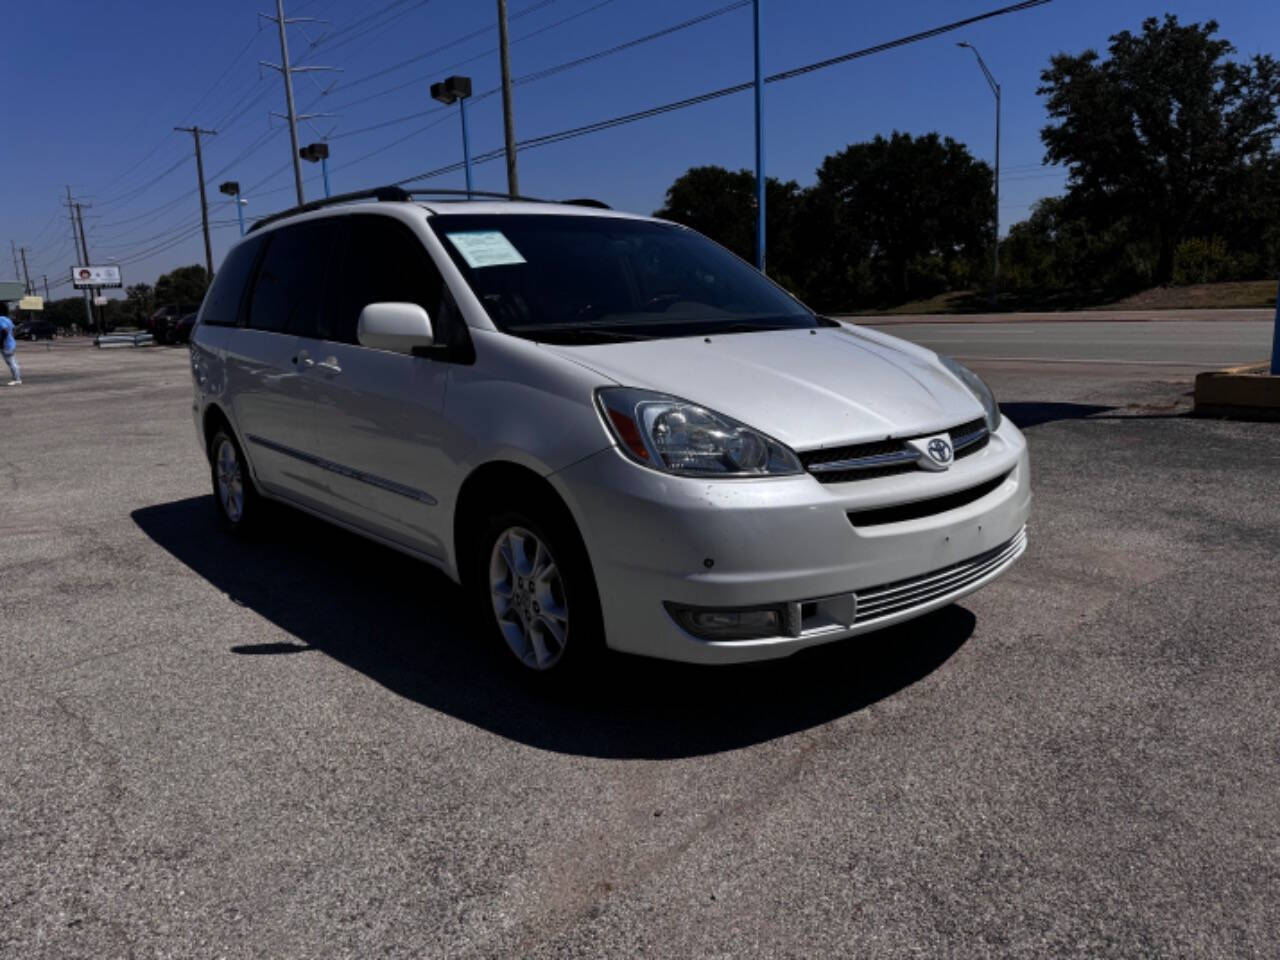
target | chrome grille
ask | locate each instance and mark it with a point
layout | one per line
(883, 458)
(903, 595)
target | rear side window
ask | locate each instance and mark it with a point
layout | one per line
(222, 302)
(384, 261)
(289, 292)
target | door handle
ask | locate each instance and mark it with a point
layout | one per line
(303, 359)
(329, 365)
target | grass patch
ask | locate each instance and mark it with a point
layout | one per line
(1245, 294)
(1202, 296)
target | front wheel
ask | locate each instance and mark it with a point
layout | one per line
(536, 591)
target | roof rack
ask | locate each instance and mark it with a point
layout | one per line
(395, 193)
(383, 194)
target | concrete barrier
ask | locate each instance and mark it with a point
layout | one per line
(109, 340)
(1240, 393)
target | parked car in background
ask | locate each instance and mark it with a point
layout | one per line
(610, 429)
(181, 331)
(37, 329)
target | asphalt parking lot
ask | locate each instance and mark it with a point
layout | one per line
(293, 749)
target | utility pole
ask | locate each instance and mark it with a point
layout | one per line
(26, 277)
(287, 72)
(995, 90)
(13, 248)
(46, 288)
(76, 246)
(204, 203)
(91, 308)
(508, 121)
(760, 177)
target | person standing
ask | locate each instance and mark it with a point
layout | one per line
(9, 347)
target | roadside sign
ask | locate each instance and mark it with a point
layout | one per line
(31, 303)
(99, 301)
(84, 277)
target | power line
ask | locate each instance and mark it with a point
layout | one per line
(583, 130)
(328, 46)
(416, 58)
(551, 71)
(479, 56)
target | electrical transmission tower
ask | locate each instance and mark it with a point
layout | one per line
(287, 72)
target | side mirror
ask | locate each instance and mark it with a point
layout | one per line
(399, 327)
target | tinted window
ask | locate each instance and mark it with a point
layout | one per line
(289, 291)
(570, 278)
(383, 262)
(222, 302)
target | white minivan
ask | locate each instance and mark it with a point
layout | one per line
(612, 431)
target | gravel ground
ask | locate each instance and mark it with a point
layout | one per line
(294, 749)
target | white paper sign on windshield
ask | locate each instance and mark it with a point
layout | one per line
(485, 248)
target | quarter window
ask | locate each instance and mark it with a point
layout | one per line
(289, 293)
(222, 302)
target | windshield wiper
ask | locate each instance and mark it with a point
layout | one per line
(586, 333)
(762, 326)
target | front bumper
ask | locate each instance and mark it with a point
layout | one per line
(656, 539)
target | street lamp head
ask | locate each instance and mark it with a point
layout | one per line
(314, 152)
(451, 89)
(963, 44)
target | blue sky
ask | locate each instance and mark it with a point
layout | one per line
(94, 90)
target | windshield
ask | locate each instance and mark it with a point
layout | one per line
(566, 279)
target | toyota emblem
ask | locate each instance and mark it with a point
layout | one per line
(939, 450)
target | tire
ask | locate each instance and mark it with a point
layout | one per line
(235, 500)
(544, 620)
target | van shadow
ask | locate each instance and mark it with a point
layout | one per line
(404, 625)
(1028, 415)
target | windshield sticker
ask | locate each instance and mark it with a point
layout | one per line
(485, 248)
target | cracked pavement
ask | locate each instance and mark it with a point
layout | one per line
(293, 748)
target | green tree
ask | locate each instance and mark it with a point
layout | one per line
(1167, 135)
(140, 301)
(1057, 249)
(183, 287)
(894, 219)
(721, 204)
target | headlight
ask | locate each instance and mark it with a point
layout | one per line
(977, 388)
(676, 436)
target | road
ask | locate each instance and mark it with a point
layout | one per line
(293, 749)
(1187, 345)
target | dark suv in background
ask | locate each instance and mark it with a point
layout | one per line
(35, 330)
(165, 323)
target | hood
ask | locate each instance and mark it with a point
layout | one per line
(809, 389)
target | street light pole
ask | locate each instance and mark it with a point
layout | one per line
(466, 142)
(457, 89)
(1275, 341)
(232, 189)
(318, 151)
(760, 179)
(995, 90)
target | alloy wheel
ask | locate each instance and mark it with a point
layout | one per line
(230, 480)
(529, 598)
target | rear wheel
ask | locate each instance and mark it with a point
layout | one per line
(236, 501)
(536, 593)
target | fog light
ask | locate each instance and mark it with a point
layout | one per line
(749, 623)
